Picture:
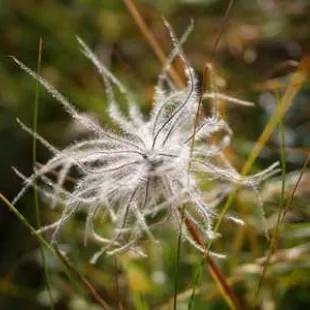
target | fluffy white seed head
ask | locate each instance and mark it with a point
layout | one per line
(131, 176)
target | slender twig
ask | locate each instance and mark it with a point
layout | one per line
(223, 28)
(149, 36)
(292, 195)
(225, 289)
(178, 255)
(52, 249)
(215, 272)
(204, 77)
(88, 286)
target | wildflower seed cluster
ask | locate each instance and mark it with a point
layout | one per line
(150, 166)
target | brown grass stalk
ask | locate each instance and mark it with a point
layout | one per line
(215, 272)
(87, 285)
(150, 38)
(292, 195)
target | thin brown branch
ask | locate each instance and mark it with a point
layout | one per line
(292, 195)
(88, 286)
(215, 272)
(149, 36)
(223, 27)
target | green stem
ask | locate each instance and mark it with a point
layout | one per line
(275, 236)
(34, 159)
(177, 264)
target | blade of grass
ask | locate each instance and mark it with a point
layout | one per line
(34, 159)
(35, 129)
(26, 223)
(274, 239)
(295, 84)
(177, 264)
(50, 248)
(197, 280)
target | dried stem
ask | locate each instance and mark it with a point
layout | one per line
(149, 36)
(88, 286)
(215, 272)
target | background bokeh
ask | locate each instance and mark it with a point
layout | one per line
(256, 55)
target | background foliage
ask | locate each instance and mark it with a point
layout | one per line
(261, 47)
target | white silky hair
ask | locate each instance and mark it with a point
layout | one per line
(131, 176)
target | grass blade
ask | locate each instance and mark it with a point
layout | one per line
(34, 159)
(177, 264)
(54, 251)
(295, 84)
(274, 239)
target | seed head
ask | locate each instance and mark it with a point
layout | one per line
(149, 167)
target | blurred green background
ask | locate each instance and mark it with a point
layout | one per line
(256, 55)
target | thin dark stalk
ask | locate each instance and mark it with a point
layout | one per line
(280, 221)
(149, 36)
(89, 287)
(197, 279)
(215, 272)
(34, 159)
(204, 77)
(54, 251)
(223, 28)
(177, 263)
(292, 195)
